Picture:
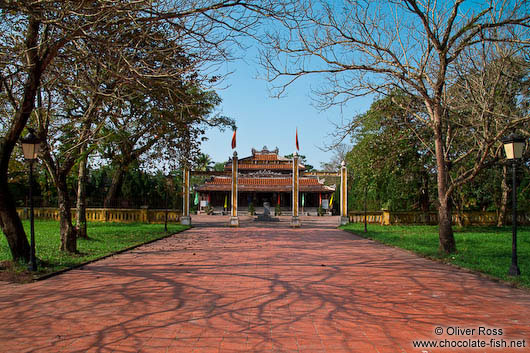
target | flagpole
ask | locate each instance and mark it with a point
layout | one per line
(295, 220)
(186, 218)
(234, 219)
(343, 194)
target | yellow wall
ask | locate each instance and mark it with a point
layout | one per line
(108, 215)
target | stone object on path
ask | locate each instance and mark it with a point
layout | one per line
(266, 216)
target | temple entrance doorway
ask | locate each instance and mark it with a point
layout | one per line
(259, 198)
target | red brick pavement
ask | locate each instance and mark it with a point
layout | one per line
(259, 288)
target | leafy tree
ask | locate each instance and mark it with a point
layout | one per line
(388, 160)
(151, 131)
(302, 160)
(204, 162)
(219, 167)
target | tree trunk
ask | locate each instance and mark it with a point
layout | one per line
(445, 229)
(9, 219)
(115, 186)
(447, 239)
(505, 192)
(81, 198)
(12, 226)
(59, 175)
(424, 192)
(68, 233)
(457, 202)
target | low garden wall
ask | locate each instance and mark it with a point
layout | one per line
(466, 218)
(142, 215)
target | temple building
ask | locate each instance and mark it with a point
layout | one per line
(265, 177)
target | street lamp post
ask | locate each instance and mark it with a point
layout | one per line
(365, 215)
(513, 146)
(31, 149)
(168, 188)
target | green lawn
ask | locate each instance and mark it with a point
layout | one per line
(484, 249)
(104, 239)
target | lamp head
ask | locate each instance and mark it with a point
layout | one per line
(31, 145)
(513, 146)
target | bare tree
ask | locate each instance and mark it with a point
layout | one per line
(68, 125)
(418, 47)
(339, 154)
(86, 95)
(35, 32)
(490, 96)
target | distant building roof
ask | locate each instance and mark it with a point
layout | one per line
(264, 171)
(264, 160)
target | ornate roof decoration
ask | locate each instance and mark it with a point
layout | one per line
(263, 173)
(265, 151)
(263, 166)
(264, 160)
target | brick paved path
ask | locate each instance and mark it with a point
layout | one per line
(256, 289)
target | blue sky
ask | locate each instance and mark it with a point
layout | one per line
(262, 120)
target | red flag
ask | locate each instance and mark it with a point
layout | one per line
(297, 146)
(234, 140)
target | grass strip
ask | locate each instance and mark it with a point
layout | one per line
(104, 239)
(486, 249)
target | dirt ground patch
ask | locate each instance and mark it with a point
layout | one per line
(9, 272)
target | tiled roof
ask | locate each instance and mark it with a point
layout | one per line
(281, 166)
(263, 181)
(265, 157)
(220, 181)
(264, 184)
(264, 166)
